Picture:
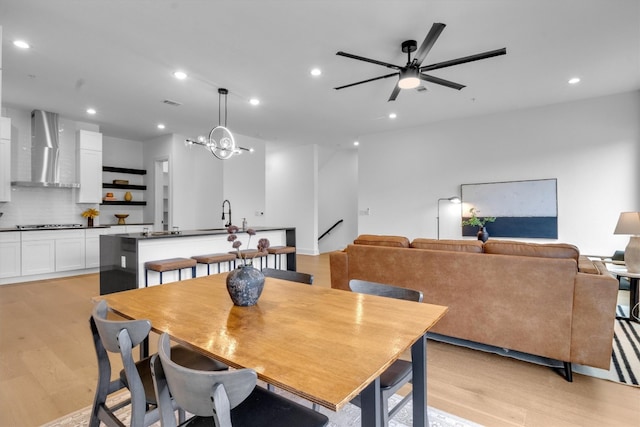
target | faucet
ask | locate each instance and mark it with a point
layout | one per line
(228, 212)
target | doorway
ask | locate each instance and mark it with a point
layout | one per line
(162, 217)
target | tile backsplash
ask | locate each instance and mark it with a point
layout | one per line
(32, 205)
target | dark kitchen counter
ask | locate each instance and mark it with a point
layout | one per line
(84, 227)
(189, 233)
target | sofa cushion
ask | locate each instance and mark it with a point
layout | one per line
(474, 246)
(377, 240)
(546, 250)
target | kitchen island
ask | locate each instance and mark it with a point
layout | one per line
(122, 256)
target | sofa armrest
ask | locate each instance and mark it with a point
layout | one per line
(339, 268)
(594, 312)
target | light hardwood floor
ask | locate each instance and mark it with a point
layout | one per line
(48, 367)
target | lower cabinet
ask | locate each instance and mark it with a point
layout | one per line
(70, 250)
(38, 256)
(92, 246)
(51, 251)
(10, 254)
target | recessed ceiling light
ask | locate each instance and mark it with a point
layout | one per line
(21, 44)
(316, 72)
(91, 111)
(254, 101)
(180, 75)
(392, 116)
(160, 126)
(356, 143)
(574, 80)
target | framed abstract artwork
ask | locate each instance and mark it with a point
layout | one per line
(521, 208)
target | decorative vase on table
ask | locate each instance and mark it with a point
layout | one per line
(483, 234)
(245, 285)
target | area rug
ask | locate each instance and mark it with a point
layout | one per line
(349, 416)
(625, 358)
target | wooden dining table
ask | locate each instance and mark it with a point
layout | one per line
(324, 345)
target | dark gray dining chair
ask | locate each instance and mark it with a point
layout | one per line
(121, 337)
(400, 372)
(292, 276)
(223, 398)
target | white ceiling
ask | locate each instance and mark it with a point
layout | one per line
(118, 56)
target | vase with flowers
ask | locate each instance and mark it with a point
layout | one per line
(245, 283)
(90, 214)
(480, 222)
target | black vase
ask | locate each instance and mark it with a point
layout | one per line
(483, 234)
(245, 285)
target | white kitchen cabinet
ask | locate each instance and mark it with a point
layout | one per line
(38, 252)
(92, 246)
(10, 251)
(5, 159)
(89, 158)
(70, 250)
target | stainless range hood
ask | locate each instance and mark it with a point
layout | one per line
(45, 152)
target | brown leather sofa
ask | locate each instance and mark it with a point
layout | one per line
(540, 299)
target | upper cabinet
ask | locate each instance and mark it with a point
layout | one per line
(89, 158)
(5, 159)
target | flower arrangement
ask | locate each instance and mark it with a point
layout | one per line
(263, 244)
(477, 221)
(90, 213)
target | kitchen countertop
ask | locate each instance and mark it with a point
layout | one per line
(72, 228)
(190, 233)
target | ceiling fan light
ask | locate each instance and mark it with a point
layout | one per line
(409, 79)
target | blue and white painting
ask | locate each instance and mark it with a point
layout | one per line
(521, 208)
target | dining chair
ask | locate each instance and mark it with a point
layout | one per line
(400, 372)
(121, 337)
(292, 276)
(222, 398)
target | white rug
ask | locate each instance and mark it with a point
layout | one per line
(349, 416)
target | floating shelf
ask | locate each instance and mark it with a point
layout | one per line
(124, 170)
(124, 186)
(122, 202)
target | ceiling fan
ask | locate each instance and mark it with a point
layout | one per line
(411, 74)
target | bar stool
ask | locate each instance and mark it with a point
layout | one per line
(277, 252)
(170, 264)
(215, 259)
(250, 254)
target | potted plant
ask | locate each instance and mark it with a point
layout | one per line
(480, 222)
(90, 214)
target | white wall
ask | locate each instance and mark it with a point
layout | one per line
(292, 193)
(592, 147)
(244, 184)
(337, 197)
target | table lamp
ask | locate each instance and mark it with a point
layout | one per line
(629, 223)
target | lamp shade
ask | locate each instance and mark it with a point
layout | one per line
(628, 223)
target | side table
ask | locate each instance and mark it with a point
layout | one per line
(634, 278)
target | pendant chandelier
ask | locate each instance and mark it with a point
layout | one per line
(220, 141)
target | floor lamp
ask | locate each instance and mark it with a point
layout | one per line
(453, 199)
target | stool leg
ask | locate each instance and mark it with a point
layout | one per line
(179, 274)
(193, 271)
(146, 278)
(161, 277)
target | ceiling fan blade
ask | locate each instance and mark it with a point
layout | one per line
(373, 61)
(366, 81)
(465, 59)
(394, 94)
(440, 81)
(428, 42)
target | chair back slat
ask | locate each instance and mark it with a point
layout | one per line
(373, 288)
(292, 276)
